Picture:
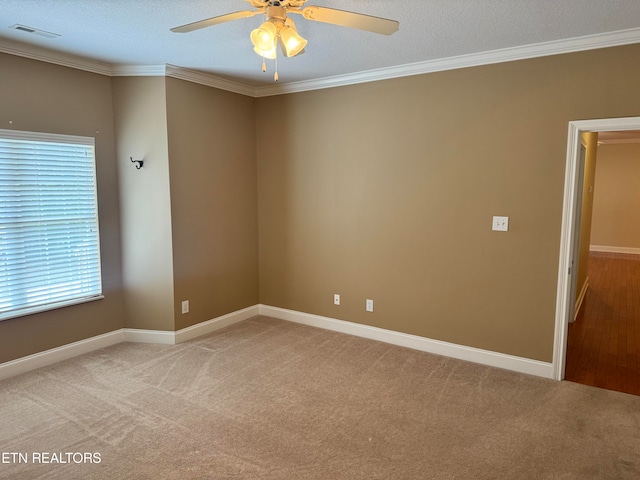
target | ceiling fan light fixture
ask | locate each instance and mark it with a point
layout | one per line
(279, 29)
(290, 40)
(270, 54)
(264, 38)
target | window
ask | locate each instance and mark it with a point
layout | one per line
(49, 243)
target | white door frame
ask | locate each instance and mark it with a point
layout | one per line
(567, 237)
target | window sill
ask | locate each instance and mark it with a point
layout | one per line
(49, 306)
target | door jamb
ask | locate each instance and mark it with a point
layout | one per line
(568, 232)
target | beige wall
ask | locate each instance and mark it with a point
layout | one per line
(213, 200)
(590, 142)
(383, 190)
(189, 220)
(189, 215)
(141, 132)
(41, 97)
(616, 211)
(386, 191)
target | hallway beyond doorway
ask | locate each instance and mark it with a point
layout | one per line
(603, 345)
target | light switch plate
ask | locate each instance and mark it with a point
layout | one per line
(500, 224)
(369, 305)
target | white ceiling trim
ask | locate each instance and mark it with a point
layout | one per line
(209, 80)
(589, 42)
(138, 71)
(183, 74)
(51, 56)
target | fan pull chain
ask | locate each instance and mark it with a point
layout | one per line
(275, 75)
(264, 65)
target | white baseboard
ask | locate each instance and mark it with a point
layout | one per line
(484, 357)
(49, 357)
(54, 355)
(136, 335)
(215, 324)
(609, 249)
(172, 338)
(461, 352)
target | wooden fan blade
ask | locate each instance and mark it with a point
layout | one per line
(351, 20)
(209, 22)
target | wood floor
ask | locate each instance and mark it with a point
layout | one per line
(603, 346)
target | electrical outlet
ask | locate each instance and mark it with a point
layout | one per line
(500, 224)
(185, 307)
(369, 305)
(336, 299)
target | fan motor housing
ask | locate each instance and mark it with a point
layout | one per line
(276, 13)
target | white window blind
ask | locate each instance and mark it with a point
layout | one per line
(49, 242)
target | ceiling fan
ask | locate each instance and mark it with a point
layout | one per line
(279, 29)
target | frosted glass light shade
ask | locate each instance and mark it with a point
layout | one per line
(264, 39)
(292, 42)
(270, 54)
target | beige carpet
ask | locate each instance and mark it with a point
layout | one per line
(267, 399)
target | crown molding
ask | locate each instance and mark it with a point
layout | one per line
(557, 47)
(81, 63)
(619, 141)
(182, 74)
(138, 71)
(209, 80)
(50, 56)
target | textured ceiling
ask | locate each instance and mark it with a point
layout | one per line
(136, 32)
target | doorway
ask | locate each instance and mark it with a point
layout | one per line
(603, 343)
(567, 271)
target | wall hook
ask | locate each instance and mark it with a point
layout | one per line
(138, 163)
